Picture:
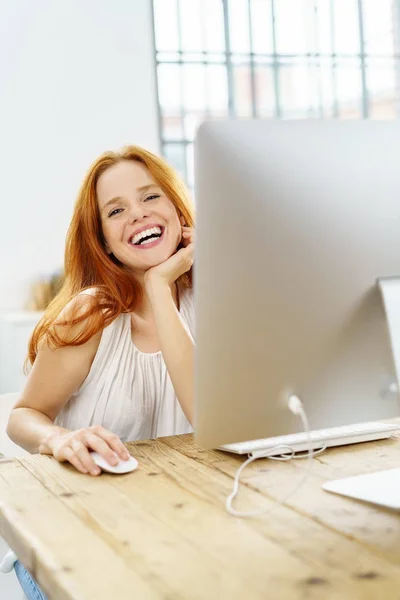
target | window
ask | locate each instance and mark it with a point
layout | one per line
(271, 59)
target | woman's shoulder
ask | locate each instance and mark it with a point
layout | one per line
(78, 321)
(82, 295)
(75, 336)
(78, 305)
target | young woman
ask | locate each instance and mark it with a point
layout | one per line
(112, 358)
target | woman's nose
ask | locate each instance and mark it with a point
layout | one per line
(138, 212)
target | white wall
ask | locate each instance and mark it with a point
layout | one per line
(77, 77)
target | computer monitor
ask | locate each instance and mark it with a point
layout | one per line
(296, 223)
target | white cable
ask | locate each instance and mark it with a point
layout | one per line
(294, 455)
(296, 407)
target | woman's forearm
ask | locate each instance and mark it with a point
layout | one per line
(177, 345)
(32, 430)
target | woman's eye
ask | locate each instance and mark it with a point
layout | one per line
(115, 212)
(152, 197)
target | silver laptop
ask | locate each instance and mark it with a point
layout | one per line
(296, 223)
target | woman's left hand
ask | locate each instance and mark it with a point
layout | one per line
(178, 264)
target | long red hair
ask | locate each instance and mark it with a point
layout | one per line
(87, 264)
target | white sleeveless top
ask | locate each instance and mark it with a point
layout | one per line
(127, 391)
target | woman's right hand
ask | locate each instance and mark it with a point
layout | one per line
(75, 446)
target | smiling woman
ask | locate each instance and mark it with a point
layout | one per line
(113, 355)
(128, 260)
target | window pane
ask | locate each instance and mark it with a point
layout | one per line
(191, 26)
(202, 25)
(170, 101)
(265, 92)
(261, 26)
(175, 155)
(194, 95)
(381, 83)
(299, 90)
(346, 26)
(324, 26)
(242, 90)
(315, 90)
(166, 24)
(349, 90)
(172, 126)
(217, 89)
(169, 85)
(239, 25)
(213, 19)
(294, 27)
(327, 80)
(378, 26)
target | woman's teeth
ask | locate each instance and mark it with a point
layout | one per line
(139, 238)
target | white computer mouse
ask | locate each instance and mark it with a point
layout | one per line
(124, 466)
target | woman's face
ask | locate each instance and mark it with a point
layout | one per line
(140, 224)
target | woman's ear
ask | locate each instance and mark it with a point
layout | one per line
(182, 220)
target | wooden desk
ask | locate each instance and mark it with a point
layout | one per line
(162, 531)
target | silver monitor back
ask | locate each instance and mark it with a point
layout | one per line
(296, 221)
